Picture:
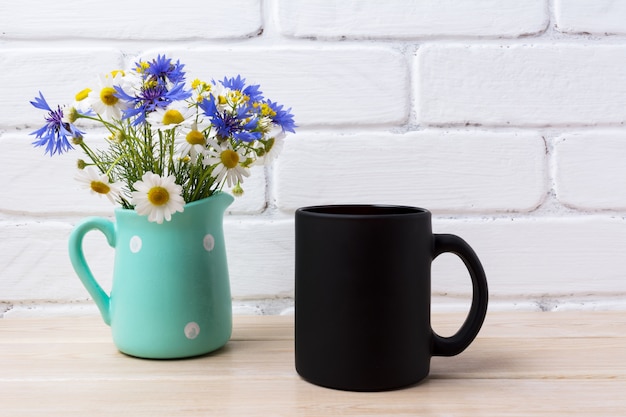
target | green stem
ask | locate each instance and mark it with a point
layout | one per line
(203, 178)
(92, 156)
(114, 163)
(110, 126)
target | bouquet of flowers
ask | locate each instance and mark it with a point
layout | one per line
(168, 143)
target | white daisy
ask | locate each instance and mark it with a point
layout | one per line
(99, 183)
(102, 99)
(219, 95)
(80, 100)
(170, 117)
(275, 149)
(157, 197)
(225, 98)
(191, 141)
(226, 163)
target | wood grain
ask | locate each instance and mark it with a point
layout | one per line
(522, 364)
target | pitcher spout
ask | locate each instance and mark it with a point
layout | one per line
(223, 199)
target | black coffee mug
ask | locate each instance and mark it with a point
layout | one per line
(362, 296)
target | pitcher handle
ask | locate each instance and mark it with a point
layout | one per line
(450, 346)
(77, 257)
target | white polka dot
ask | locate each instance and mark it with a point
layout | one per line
(209, 242)
(192, 330)
(135, 244)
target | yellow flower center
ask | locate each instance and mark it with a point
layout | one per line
(237, 97)
(172, 117)
(195, 138)
(266, 110)
(107, 95)
(158, 196)
(142, 66)
(229, 158)
(100, 187)
(82, 94)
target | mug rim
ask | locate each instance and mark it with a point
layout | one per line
(361, 210)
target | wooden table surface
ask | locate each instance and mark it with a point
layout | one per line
(521, 364)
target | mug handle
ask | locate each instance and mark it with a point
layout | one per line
(77, 257)
(453, 345)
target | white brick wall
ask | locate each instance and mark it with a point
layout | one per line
(505, 118)
(430, 168)
(602, 17)
(399, 19)
(589, 167)
(123, 20)
(520, 84)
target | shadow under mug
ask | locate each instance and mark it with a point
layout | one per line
(363, 295)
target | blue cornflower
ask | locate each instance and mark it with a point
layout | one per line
(54, 134)
(282, 118)
(239, 83)
(149, 99)
(239, 126)
(162, 68)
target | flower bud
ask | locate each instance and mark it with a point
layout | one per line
(77, 140)
(72, 115)
(237, 190)
(117, 137)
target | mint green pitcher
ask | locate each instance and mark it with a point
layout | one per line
(170, 296)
